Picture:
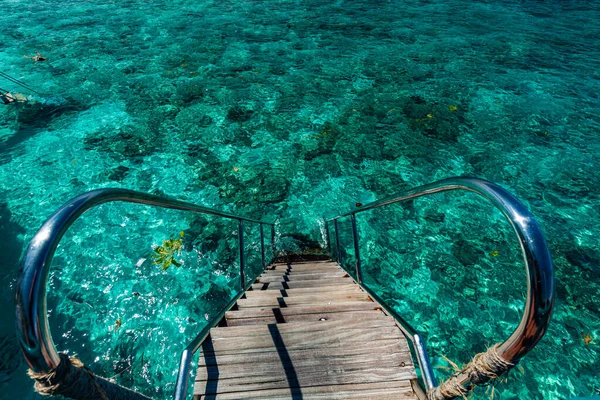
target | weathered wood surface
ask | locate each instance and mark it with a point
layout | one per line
(305, 331)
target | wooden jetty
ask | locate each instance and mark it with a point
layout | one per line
(306, 331)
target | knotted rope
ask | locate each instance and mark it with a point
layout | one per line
(484, 367)
(74, 380)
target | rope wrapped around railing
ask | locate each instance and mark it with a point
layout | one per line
(74, 380)
(483, 368)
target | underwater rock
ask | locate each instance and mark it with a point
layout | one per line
(239, 114)
(118, 174)
(584, 258)
(240, 137)
(130, 141)
(325, 165)
(298, 243)
(433, 120)
(273, 187)
(204, 121)
(206, 235)
(189, 91)
(193, 122)
(434, 216)
(10, 355)
(160, 115)
(384, 183)
(466, 253)
(11, 245)
(324, 143)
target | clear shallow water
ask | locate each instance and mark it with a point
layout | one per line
(301, 110)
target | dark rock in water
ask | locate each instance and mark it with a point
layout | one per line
(466, 252)
(124, 354)
(418, 100)
(298, 243)
(434, 120)
(76, 183)
(384, 183)
(10, 354)
(40, 114)
(130, 141)
(327, 138)
(158, 192)
(277, 70)
(205, 121)
(434, 216)
(584, 258)
(118, 174)
(11, 245)
(239, 114)
(273, 188)
(28, 119)
(189, 91)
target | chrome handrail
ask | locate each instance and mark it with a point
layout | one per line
(538, 263)
(32, 325)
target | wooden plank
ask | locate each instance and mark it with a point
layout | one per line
(354, 288)
(395, 390)
(313, 326)
(303, 284)
(302, 277)
(350, 350)
(280, 301)
(302, 267)
(306, 318)
(308, 379)
(304, 340)
(305, 366)
(301, 309)
(302, 270)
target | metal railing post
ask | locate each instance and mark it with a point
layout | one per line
(273, 239)
(327, 236)
(242, 258)
(337, 241)
(356, 251)
(262, 246)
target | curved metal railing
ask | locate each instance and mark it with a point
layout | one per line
(32, 317)
(538, 263)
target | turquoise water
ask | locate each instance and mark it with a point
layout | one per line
(297, 110)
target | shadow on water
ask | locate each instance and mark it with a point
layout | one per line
(27, 120)
(10, 357)
(11, 245)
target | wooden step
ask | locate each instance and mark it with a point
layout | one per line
(304, 379)
(350, 350)
(280, 301)
(354, 288)
(302, 277)
(302, 267)
(301, 309)
(381, 320)
(301, 271)
(305, 340)
(348, 316)
(302, 284)
(396, 390)
(301, 365)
